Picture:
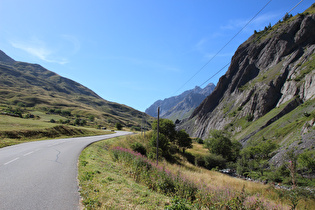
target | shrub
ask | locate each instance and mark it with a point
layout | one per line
(199, 161)
(164, 144)
(306, 161)
(199, 140)
(118, 126)
(178, 204)
(183, 140)
(218, 143)
(213, 161)
(138, 147)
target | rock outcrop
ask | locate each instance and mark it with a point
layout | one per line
(273, 69)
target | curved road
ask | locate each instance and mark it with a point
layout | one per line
(43, 174)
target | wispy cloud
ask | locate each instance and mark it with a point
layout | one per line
(39, 49)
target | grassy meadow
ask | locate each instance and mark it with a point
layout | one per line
(16, 130)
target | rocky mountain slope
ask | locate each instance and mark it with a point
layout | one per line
(32, 86)
(268, 91)
(181, 106)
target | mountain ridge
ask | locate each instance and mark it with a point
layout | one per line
(36, 87)
(180, 106)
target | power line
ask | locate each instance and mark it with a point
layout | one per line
(215, 74)
(255, 41)
(295, 6)
(223, 47)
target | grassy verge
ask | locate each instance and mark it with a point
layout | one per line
(108, 185)
(15, 130)
(127, 180)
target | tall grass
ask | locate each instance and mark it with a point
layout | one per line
(195, 193)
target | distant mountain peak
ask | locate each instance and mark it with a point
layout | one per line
(180, 106)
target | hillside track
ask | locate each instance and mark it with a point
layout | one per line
(43, 174)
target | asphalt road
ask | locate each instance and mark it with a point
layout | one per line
(43, 174)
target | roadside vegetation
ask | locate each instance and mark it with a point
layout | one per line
(123, 173)
(16, 130)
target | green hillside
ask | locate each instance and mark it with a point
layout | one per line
(32, 92)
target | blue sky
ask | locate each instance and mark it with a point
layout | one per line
(134, 52)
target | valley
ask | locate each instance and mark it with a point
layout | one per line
(258, 121)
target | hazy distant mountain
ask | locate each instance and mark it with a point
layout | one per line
(34, 87)
(181, 106)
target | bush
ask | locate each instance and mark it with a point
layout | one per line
(183, 140)
(199, 140)
(138, 147)
(200, 161)
(178, 204)
(218, 143)
(118, 126)
(213, 161)
(164, 144)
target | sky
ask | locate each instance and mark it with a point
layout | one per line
(135, 52)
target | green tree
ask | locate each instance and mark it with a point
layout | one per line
(91, 118)
(218, 143)
(255, 158)
(167, 128)
(164, 145)
(235, 150)
(83, 122)
(118, 126)
(66, 113)
(306, 161)
(76, 121)
(183, 140)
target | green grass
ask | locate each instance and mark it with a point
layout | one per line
(47, 117)
(307, 67)
(107, 185)
(15, 130)
(8, 123)
(288, 126)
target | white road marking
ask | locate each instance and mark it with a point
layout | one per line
(11, 161)
(28, 153)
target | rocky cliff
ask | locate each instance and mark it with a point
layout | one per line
(181, 106)
(271, 75)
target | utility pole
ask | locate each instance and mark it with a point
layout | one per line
(141, 129)
(144, 122)
(157, 139)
